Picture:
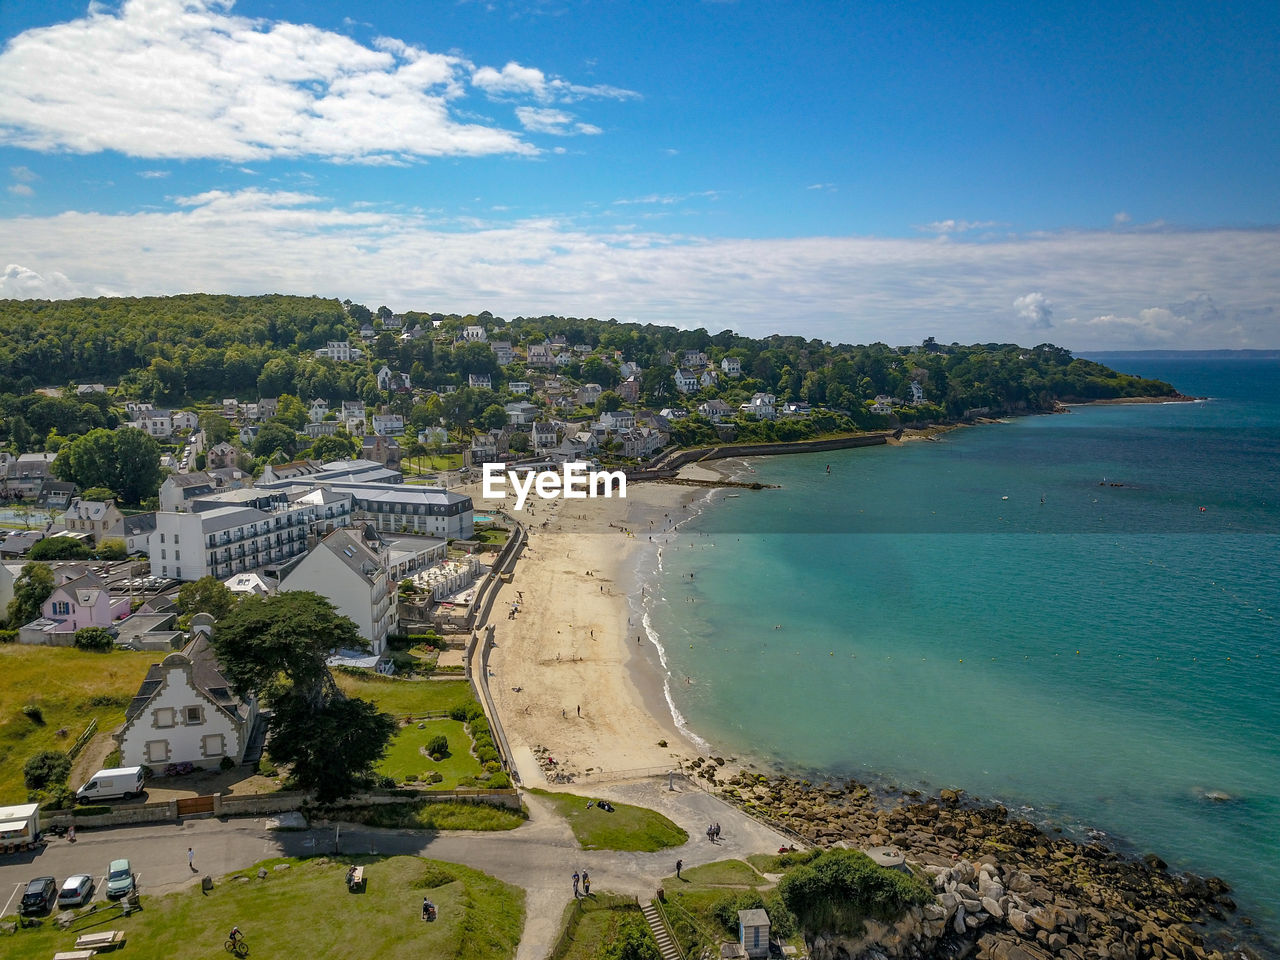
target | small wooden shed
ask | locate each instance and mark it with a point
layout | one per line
(753, 932)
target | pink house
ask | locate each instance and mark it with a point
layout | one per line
(82, 602)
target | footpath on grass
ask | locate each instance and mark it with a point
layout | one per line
(539, 857)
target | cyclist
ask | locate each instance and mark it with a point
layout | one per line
(235, 936)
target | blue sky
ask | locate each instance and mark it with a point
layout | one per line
(1096, 175)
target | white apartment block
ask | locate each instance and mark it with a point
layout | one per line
(220, 540)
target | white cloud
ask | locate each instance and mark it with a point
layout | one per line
(956, 226)
(517, 80)
(666, 199)
(19, 283)
(23, 174)
(1036, 309)
(512, 78)
(21, 190)
(549, 120)
(187, 78)
(153, 174)
(1121, 218)
(1188, 289)
(821, 186)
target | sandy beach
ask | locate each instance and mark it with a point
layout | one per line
(568, 674)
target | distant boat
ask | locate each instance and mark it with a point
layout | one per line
(1004, 498)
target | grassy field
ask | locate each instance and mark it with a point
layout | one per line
(723, 873)
(433, 815)
(404, 758)
(307, 911)
(431, 463)
(591, 923)
(703, 904)
(71, 687)
(403, 698)
(627, 828)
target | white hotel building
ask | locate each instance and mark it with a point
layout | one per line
(253, 531)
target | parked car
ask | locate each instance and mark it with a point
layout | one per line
(76, 891)
(120, 880)
(39, 896)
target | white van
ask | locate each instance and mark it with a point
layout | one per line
(123, 782)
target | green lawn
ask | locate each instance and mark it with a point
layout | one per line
(307, 911)
(404, 757)
(431, 463)
(627, 828)
(403, 698)
(594, 922)
(723, 873)
(71, 687)
(435, 815)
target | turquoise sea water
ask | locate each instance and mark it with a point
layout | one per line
(1103, 659)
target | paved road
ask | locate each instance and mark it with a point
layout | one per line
(540, 856)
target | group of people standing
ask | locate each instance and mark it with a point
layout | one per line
(584, 880)
(713, 833)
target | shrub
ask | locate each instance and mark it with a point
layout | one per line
(466, 712)
(112, 549)
(411, 778)
(500, 780)
(226, 763)
(485, 754)
(839, 889)
(631, 941)
(59, 548)
(109, 700)
(46, 768)
(90, 811)
(435, 776)
(8, 636)
(96, 639)
(34, 714)
(438, 745)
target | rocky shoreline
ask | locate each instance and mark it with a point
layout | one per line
(1006, 890)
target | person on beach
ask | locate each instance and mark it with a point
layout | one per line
(579, 710)
(586, 884)
(576, 878)
(679, 867)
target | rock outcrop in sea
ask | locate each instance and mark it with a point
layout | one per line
(1005, 890)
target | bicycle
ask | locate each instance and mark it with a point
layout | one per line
(237, 946)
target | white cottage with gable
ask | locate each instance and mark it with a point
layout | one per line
(185, 710)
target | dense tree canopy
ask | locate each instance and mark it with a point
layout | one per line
(30, 591)
(276, 648)
(126, 461)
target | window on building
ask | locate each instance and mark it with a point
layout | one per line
(165, 717)
(162, 538)
(213, 745)
(162, 555)
(177, 554)
(175, 539)
(193, 715)
(157, 751)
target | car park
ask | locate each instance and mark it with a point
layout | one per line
(39, 896)
(76, 890)
(120, 880)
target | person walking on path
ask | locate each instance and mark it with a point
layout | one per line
(191, 859)
(586, 884)
(579, 709)
(576, 878)
(679, 867)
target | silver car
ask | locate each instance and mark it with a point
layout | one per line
(76, 891)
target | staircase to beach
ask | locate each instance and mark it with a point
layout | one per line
(666, 942)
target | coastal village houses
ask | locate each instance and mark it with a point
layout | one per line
(73, 605)
(186, 712)
(93, 518)
(351, 571)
